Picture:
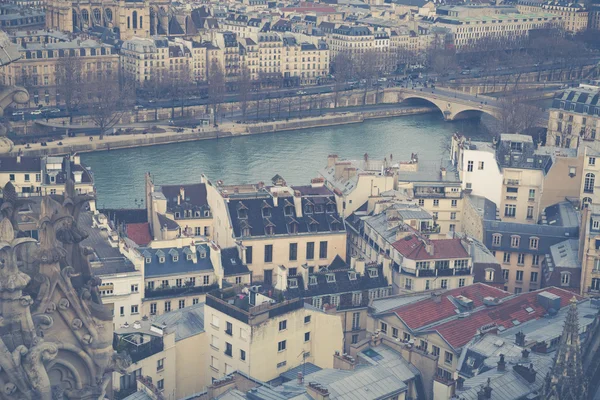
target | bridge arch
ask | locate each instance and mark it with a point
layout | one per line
(451, 109)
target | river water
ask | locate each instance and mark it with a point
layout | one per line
(295, 155)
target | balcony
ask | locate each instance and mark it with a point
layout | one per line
(178, 291)
(462, 271)
(445, 272)
(426, 272)
(512, 182)
(138, 351)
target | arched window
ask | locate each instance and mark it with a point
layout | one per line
(85, 16)
(134, 18)
(141, 22)
(97, 16)
(588, 186)
(586, 202)
(108, 15)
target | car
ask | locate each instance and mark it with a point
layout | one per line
(18, 113)
(138, 107)
(36, 112)
(300, 92)
(151, 101)
(466, 72)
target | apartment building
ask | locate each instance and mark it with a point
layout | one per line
(574, 118)
(13, 18)
(442, 324)
(38, 176)
(37, 68)
(510, 27)
(589, 251)
(575, 16)
(521, 248)
(280, 225)
(262, 338)
(348, 39)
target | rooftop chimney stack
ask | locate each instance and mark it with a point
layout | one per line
(501, 363)
(520, 339)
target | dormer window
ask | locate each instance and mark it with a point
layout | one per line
(161, 260)
(288, 211)
(177, 215)
(175, 258)
(293, 283)
(330, 208)
(242, 213)
(319, 209)
(202, 254)
(312, 280)
(516, 146)
(352, 275)
(188, 257)
(330, 278)
(207, 213)
(245, 231)
(197, 213)
(308, 209)
(266, 212)
(373, 272)
(148, 260)
(565, 278)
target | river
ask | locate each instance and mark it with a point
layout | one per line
(295, 155)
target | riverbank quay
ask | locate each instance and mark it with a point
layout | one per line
(83, 144)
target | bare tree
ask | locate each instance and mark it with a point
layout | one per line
(107, 101)
(70, 83)
(342, 68)
(366, 70)
(516, 115)
(442, 62)
(244, 88)
(216, 88)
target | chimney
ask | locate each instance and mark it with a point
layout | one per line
(525, 353)
(437, 298)
(443, 172)
(429, 247)
(18, 159)
(460, 382)
(317, 391)
(300, 378)
(298, 203)
(182, 193)
(350, 172)
(501, 364)
(339, 169)
(520, 339)
(529, 374)
(331, 160)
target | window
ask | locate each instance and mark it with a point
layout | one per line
(323, 249)
(595, 284)
(268, 253)
(452, 215)
(134, 309)
(179, 282)
(38, 177)
(448, 357)
(167, 306)
(281, 364)
(592, 161)
(529, 212)
(214, 341)
(533, 243)
(152, 308)
(515, 241)
(521, 259)
(283, 325)
(355, 321)
(293, 251)
(454, 203)
(444, 284)
(406, 337)
(489, 274)
(26, 177)
(206, 279)
(248, 254)
(242, 355)
(469, 166)
(518, 290)
(496, 238)
(535, 260)
(534, 277)
(519, 276)
(436, 203)
(435, 350)
(229, 328)
(281, 346)
(122, 311)
(310, 250)
(181, 304)
(373, 272)
(228, 349)
(383, 328)
(214, 363)
(307, 319)
(461, 282)
(160, 384)
(531, 194)
(480, 166)
(160, 364)
(588, 186)
(395, 332)
(11, 177)
(306, 336)
(510, 210)
(506, 258)
(134, 288)
(195, 301)
(565, 278)
(421, 202)
(355, 337)
(505, 274)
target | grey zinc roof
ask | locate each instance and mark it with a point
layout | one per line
(140, 395)
(429, 171)
(170, 267)
(306, 369)
(186, 322)
(564, 254)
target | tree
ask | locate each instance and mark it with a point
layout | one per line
(516, 115)
(442, 62)
(70, 82)
(366, 70)
(342, 70)
(107, 101)
(244, 89)
(216, 88)
(178, 87)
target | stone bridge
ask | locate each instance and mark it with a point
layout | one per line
(453, 105)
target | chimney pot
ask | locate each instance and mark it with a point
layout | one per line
(501, 363)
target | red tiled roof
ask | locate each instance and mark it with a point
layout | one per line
(428, 311)
(139, 233)
(460, 331)
(413, 248)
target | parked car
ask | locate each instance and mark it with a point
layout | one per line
(18, 113)
(36, 112)
(300, 92)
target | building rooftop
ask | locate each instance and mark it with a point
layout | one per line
(176, 261)
(415, 248)
(185, 322)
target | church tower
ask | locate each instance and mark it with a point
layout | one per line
(566, 380)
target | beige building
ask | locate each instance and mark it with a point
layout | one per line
(263, 339)
(589, 251)
(574, 15)
(38, 68)
(348, 39)
(575, 117)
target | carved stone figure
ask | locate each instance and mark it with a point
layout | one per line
(55, 334)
